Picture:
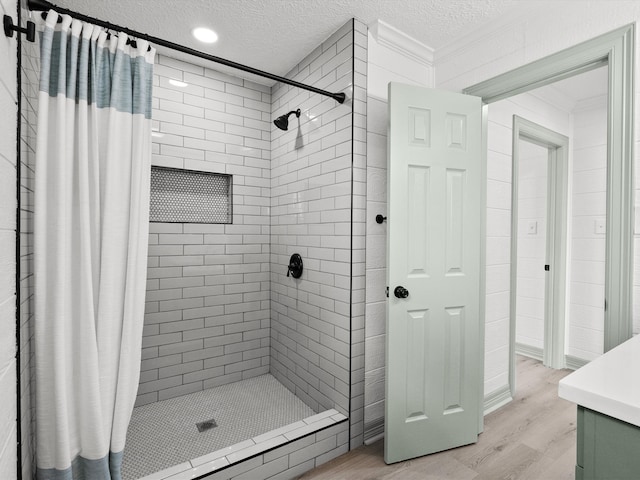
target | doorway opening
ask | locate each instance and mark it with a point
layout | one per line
(538, 244)
(615, 51)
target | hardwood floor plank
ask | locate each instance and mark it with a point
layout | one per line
(515, 460)
(531, 438)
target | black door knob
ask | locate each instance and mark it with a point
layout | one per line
(400, 292)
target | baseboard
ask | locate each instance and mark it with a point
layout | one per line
(497, 399)
(373, 430)
(528, 351)
(574, 363)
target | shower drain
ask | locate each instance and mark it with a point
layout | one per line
(206, 425)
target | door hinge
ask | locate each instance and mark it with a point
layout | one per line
(546, 268)
(387, 291)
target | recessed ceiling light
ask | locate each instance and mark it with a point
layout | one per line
(205, 35)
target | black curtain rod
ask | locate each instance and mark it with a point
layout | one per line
(43, 5)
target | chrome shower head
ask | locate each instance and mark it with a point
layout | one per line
(282, 122)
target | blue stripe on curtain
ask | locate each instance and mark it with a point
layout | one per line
(101, 86)
(83, 469)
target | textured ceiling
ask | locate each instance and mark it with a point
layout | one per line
(274, 35)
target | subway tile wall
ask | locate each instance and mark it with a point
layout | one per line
(359, 230)
(207, 304)
(30, 75)
(311, 211)
(8, 222)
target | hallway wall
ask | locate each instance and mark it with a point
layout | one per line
(585, 325)
(8, 222)
(532, 245)
(498, 256)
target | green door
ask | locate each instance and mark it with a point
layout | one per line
(433, 351)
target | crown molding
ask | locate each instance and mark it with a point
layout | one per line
(486, 31)
(392, 38)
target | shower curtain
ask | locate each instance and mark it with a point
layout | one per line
(91, 213)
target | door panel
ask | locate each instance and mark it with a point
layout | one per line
(433, 346)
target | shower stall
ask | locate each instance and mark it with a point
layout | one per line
(245, 367)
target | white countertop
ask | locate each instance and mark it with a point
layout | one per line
(609, 384)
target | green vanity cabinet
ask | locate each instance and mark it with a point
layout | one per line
(608, 448)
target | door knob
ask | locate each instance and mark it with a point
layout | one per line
(400, 292)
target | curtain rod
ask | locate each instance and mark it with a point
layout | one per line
(43, 5)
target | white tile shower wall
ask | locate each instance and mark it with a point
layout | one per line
(8, 222)
(384, 65)
(207, 306)
(30, 74)
(532, 244)
(311, 185)
(549, 29)
(498, 257)
(586, 299)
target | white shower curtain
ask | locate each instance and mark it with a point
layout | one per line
(91, 230)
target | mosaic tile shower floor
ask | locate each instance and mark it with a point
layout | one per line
(164, 434)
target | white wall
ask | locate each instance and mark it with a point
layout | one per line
(392, 57)
(532, 244)
(585, 328)
(558, 25)
(8, 99)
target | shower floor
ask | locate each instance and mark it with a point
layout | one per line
(164, 434)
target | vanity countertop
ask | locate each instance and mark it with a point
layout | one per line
(609, 384)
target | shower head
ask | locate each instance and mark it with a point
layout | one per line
(282, 122)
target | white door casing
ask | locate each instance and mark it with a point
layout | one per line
(434, 348)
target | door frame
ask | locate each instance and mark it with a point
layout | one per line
(556, 241)
(616, 49)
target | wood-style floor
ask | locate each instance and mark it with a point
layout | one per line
(531, 438)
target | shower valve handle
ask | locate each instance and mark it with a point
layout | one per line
(295, 266)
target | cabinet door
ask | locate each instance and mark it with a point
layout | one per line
(607, 447)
